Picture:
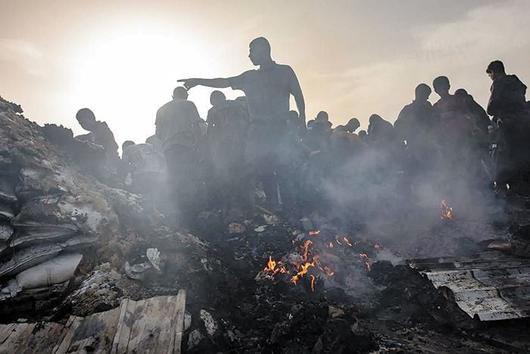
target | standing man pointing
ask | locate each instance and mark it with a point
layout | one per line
(268, 91)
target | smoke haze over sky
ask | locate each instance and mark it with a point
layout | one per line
(353, 58)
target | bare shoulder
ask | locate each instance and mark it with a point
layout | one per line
(285, 68)
(287, 72)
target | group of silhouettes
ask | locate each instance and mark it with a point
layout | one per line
(254, 149)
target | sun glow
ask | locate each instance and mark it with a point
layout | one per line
(126, 74)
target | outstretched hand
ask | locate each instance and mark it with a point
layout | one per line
(189, 83)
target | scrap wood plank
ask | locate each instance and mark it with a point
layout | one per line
(43, 338)
(123, 330)
(154, 325)
(5, 331)
(68, 334)
(179, 318)
(158, 323)
(142, 324)
(151, 326)
(95, 333)
(165, 340)
(15, 343)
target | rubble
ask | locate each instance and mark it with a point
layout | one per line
(50, 208)
(267, 283)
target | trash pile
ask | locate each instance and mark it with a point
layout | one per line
(48, 217)
(57, 223)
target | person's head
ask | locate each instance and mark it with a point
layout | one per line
(422, 92)
(352, 125)
(126, 144)
(322, 116)
(86, 118)
(374, 119)
(293, 121)
(259, 51)
(341, 128)
(362, 133)
(310, 123)
(461, 93)
(441, 86)
(495, 69)
(154, 141)
(180, 93)
(217, 98)
(462, 96)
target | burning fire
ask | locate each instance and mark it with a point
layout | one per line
(306, 262)
(304, 268)
(271, 267)
(307, 245)
(446, 212)
(300, 268)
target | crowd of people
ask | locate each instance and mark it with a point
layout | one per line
(254, 149)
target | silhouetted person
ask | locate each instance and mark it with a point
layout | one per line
(144, 168)
(319, 132)
(323, 118)
(101, 136)
(380, 131)
(458, 161)
(155, 141)
(507, 92)
(344, 143)
(444, 109)
(450, 114)
(507, 105)
(363, 134)
(478, 138)
(415, 120)
(478, 115)
(352, 125)
(268, 91)
(414, 128)
(227, 125)
(177, 127)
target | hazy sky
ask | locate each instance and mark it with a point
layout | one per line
(353, 58)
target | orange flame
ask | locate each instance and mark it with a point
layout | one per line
(304, 268)
(308, 261)
(446, 212)
(307, 245)
(271, 267)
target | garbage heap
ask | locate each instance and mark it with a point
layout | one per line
(54, 219)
